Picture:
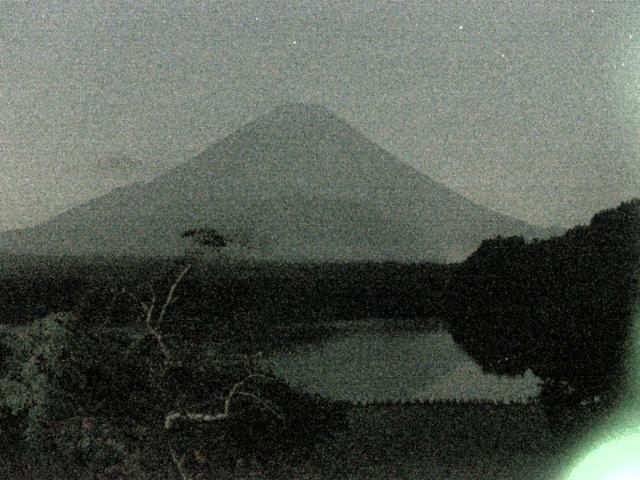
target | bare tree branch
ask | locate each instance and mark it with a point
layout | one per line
(160, 341)
(152, 322)
(170, 418)
(179, 462)
(236, 388)
(149, 309)
(235, 392)
(170, 296)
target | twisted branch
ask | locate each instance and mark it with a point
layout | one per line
(179, 463)
(149, 310)
(170, 296)
(235, 391)
(152, 323)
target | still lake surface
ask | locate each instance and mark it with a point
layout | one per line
(377, 366)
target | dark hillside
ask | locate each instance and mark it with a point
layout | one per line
(560, 307)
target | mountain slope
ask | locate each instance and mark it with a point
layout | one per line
(298, 184)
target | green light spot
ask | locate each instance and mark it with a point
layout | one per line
(615, 460)
(614, 447)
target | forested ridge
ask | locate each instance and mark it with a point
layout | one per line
(561, 307)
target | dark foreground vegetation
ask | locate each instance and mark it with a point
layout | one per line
(258, 307)
(562, 307)
(111, 405)
(115, 368)
(146, 378)
(31, 287)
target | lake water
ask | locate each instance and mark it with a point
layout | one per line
(387, 366)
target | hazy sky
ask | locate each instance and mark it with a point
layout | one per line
(531, 108)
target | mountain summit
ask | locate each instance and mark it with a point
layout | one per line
(296, 184)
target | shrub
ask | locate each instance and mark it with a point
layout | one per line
(58, 380)
(100, 399)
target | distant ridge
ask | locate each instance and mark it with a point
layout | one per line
(298, 184)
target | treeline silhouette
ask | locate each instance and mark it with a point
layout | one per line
(434, 402)
(561, 307)
(109, 290)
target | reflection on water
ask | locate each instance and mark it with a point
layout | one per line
(384, 366)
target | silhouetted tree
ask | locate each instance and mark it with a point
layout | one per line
(206, 237)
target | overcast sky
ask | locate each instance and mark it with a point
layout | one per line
(531, 108)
